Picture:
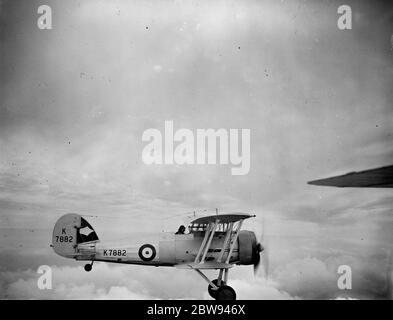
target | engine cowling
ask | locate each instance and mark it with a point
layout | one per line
(249, 248)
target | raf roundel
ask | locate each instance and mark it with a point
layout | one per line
(147, 252)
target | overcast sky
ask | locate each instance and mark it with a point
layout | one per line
(75, 100)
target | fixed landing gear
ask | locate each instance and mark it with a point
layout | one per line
(88, 266)
(211, 290)
(222, 292)
(218, 288)
(225, 293)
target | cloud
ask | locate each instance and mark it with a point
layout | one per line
(74, 283)
(259, 289)
(307, 278)
(317, 278)
(125, 282)
(301, 278)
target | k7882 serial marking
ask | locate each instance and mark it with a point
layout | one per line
(115, 253)
(64, 238)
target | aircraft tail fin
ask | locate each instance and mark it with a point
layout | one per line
(71, 230)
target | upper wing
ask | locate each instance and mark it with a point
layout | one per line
(372, 178)
(223, 218)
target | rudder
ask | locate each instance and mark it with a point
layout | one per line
(70, 230)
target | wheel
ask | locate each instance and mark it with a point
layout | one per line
(225, 293)
(213, 292)
(88, 267)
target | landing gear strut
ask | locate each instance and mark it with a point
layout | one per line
(217, 288)
(89, 266)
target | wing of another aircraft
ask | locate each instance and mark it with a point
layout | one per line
(372, 178)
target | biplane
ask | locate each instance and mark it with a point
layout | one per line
(213, 242)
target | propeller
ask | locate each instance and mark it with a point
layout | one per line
(261, 254)
(257, 260)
